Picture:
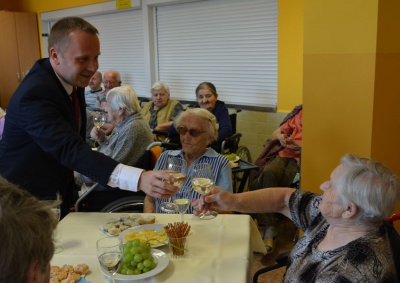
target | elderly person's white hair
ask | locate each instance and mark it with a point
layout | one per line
(158, 86)
(123, 97)
(210, 122)
(371, 186)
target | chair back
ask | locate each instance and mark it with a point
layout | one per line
(233, 118)
(153, 152)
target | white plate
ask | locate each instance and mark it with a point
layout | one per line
(236, 159)
(133, 218)
(155, 227)
(160, 258)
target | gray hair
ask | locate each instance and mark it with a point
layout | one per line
(124, 97)
(371, 186)
(27, 226)
(207, 85)
(114, 73)
(210, 124)
(159, 86)
(60, 31)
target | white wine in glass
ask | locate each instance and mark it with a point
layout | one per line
(202, 185)
(99, 119)
(182, 200)
(180, 167)
(202, 179)
(109, 253)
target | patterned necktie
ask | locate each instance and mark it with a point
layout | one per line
(75, 104)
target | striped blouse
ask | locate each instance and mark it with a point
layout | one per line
(221, 169)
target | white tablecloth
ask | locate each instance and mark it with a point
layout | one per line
(220, 250)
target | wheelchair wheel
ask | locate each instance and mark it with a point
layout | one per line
(244, 153)
(131, 204)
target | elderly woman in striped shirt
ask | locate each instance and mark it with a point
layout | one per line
(197, 129)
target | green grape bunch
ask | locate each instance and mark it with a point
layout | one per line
(137, 258)
(231, 156)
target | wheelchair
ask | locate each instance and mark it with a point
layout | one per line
(105, 199)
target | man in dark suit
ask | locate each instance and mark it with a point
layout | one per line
(44, 135)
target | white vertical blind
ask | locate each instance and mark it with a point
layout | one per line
(121, 45)
(231, 43)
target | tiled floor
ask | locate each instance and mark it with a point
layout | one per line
(286, 231)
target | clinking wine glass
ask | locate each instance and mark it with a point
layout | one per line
(180, 167)
(109, 253)
(202, 181)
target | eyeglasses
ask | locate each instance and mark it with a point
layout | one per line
(182, 130)
(109, 82)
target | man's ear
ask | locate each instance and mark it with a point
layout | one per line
(350, 211)
(54, 56)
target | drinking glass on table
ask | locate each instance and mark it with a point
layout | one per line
(202, 181)
(180, 167)
(109, 253)
(56, 209)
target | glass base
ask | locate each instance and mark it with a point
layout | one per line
(58, 249)
(169, 207)
(208, 215)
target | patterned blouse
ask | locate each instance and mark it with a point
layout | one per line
(366, 259)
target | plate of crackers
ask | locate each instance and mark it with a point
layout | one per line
(68, 273)
(115, 226)
(153, 233)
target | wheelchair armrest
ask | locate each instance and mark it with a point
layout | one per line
(233, 137)
(160, 133)
(168, 145)
(282, 258)
(82, 197)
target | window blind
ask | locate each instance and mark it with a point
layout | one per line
(121, 45)
(231, 43)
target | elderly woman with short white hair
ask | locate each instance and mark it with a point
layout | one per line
(197, 129)
(131, 135)
(162, 110)
(345, 238)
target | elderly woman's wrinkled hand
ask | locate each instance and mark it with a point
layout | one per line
(291, 144)
(218, 199)
(97, 135)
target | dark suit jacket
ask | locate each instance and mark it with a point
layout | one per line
(41, 146)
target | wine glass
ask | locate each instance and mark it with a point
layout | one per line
(180, 167)
(202, 181)
(109, 253)
(182, 200)
(55, 205)
(99, 119)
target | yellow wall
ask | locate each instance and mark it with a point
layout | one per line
(49, 5)
(351, 90)
(339, 69)
(290, 54)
